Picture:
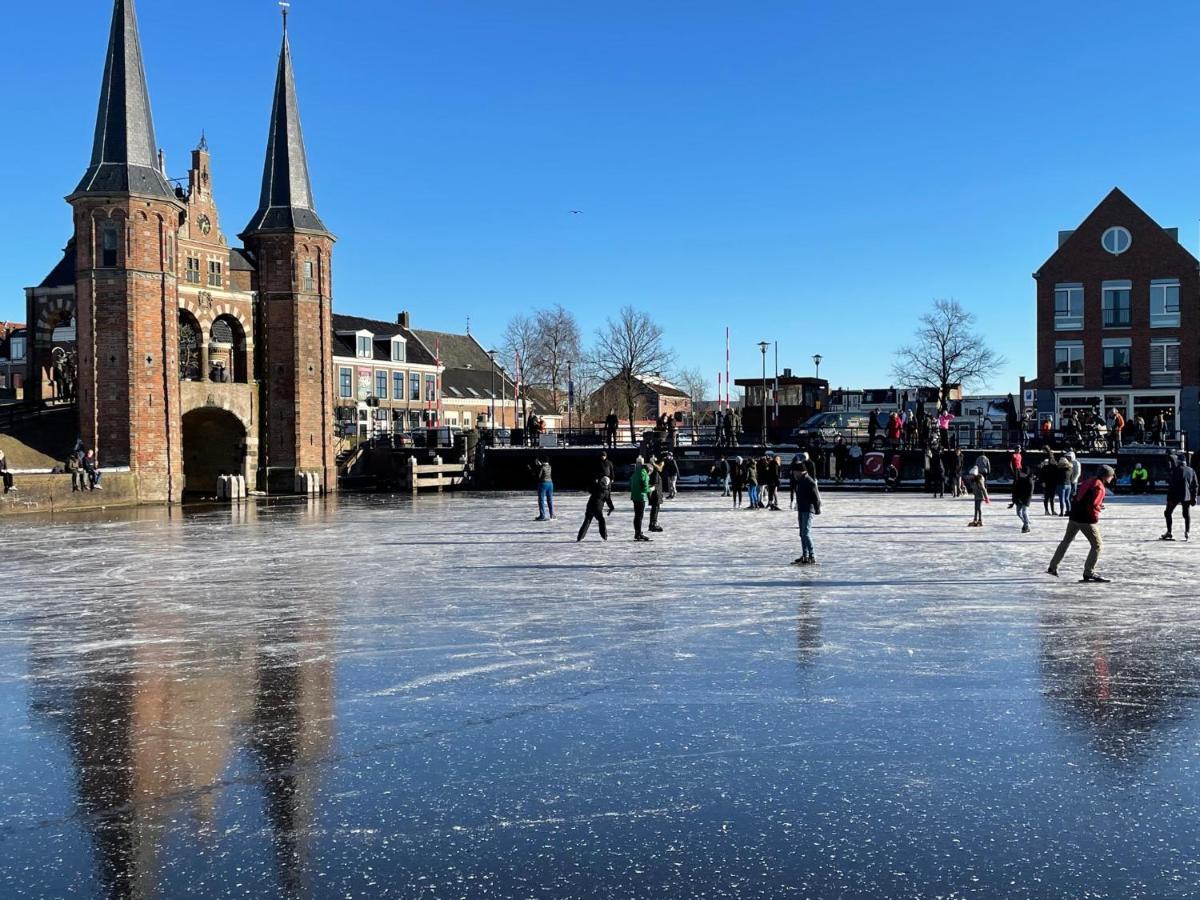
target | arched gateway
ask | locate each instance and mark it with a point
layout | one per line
(214, 444)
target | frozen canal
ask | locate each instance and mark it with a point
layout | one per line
(370, 697)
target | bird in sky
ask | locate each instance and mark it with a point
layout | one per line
(575, 212)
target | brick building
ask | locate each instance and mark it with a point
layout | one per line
(386, 380)
(14, 338)
(1118, 320)
(190, 357)
(472, 393)
(654, 396)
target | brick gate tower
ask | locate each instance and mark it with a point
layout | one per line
(292, 249)
(126, 216)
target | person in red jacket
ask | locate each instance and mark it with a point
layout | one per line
(1085, 518)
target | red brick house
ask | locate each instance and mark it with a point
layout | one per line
(1118, 320)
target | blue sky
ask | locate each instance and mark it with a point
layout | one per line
(812, 173)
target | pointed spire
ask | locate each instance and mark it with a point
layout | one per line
(124, 152)
(286, 203)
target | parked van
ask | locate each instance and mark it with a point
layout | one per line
(825, 428)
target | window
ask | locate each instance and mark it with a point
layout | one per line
(16, 348)
(193, 270)
(381, 384)
(365, 350)
(1117, 367)
(1164, 303)
(1116, 304)
(1068, 307)
(346, 382)
(108, 247)
(214, 273)
(1116, 240)
(431, 388)
(397, 385)
(1068, 364)
(1164, 362)
(397, 350)
(308, 276)
(221, 332)
(414, 386)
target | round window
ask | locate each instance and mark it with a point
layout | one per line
(1116, 240)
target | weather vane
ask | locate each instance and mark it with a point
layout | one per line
(284, 6)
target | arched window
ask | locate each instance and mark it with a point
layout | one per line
(189, 347)
(227, 355)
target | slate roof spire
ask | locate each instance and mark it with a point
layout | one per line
(124, 152)
(286, 203)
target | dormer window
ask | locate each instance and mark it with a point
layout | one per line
(398, 349)
(365, 348)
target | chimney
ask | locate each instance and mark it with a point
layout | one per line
(404, 320)
(787, 373)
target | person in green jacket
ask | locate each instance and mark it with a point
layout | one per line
(639, 493)
(1139, 478)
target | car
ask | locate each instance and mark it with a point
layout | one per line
(825, 428)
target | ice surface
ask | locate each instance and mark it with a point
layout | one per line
(372, 696)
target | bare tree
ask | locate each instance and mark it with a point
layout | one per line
(189, 352)
(693, 383)
(946, 352)
(625, 350)
(518, 345)
(518, 341)
(555, 343)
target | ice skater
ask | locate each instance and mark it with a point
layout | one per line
(750, 470)
(1085, 519)
(607, 471)
(808, 504)
(720, 471)
(1049, 475)
(639, 493)
(1181, 492)
(598, 497)
(670, 471)
(1022, 496)
(737, 481)
(979, 493)
(545, 488)
(655, 471)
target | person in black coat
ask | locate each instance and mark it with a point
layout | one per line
(1182, 489)
(611, 423)
(670, 475)
(607, 471)
(1050, 476)
(599, 495)
(937, 472)
(656, 492)
(1022, 496)
(808, 504)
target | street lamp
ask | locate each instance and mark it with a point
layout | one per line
(492, 354)
(763, 345)
(817, 362)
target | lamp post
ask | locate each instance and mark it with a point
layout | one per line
(763, 345)
(492, 354)
(817, 362)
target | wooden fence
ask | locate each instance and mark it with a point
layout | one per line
(435, 476)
